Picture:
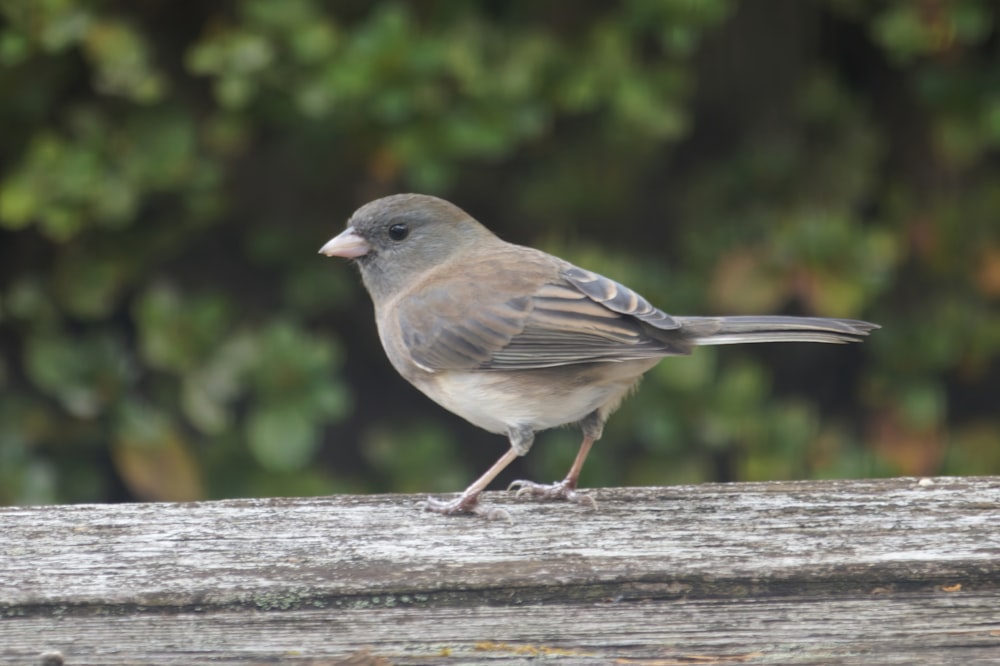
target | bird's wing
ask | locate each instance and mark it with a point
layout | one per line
(562, 316)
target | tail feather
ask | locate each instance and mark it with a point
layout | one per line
(738, 330)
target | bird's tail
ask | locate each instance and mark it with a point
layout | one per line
(738, 330)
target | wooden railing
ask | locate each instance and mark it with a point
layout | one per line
(895, 571)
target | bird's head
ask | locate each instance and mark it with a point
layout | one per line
(397, 239)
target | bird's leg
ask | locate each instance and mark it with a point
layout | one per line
(468, 502)
(593, 426)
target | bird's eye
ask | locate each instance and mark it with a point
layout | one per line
(398, 232)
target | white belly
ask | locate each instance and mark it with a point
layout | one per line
(540, 399)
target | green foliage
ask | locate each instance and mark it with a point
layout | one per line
(169, 170)
(910, 30)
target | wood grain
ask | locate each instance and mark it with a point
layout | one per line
(855, 572)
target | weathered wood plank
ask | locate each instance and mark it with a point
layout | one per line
(924, 628)
(886, 571)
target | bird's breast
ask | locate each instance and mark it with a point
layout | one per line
(540, 399)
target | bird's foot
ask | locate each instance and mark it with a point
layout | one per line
(563, 490)
(466, 504)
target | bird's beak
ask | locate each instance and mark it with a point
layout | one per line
(348, 245)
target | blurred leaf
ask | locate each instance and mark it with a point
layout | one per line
(175, 333)
(297, 390)
(282, 438)
(988, 274)
(54, 24)
(234, 56)
(744, 284)
(908, 449)
(24, 478)
(26, 300)
(973, 449)
(94, 174)
(688, 373)
(417, 457)
(87, 288)
(832, 295)
(86, 374)
(319, 288)
(922, 407)
(151, 456)
(291, 366)
(208, 392)
(911, 29)
(122, 60)
(14, 48)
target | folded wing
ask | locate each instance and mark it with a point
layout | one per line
(575, 317)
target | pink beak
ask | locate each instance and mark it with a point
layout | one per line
(348, 245)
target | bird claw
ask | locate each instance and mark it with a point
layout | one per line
(465, 505)
(553, 491)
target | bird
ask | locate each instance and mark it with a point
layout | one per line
(516, 340)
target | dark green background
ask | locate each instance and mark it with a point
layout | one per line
(169, 170)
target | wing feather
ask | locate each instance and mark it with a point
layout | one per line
(572, 316)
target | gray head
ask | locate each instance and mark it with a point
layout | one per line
(398, 238)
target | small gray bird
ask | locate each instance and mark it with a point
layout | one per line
(515, 340)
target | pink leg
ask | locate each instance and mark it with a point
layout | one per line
(565, 489)
(468, 501)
